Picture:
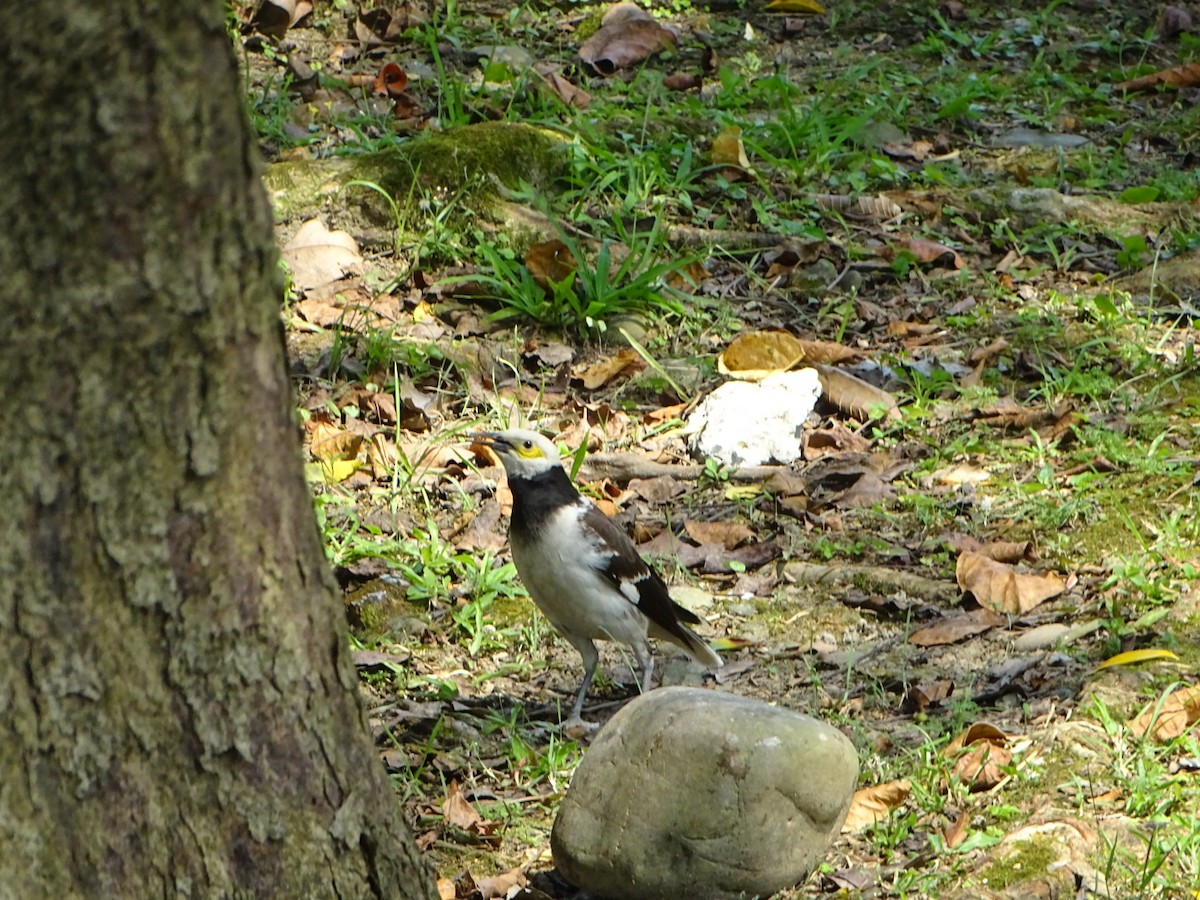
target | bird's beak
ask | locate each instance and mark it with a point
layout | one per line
(486, 438)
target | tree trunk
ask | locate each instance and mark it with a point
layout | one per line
(178, 714)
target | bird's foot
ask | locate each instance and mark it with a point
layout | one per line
(576, 728)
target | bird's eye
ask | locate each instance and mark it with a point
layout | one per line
(529, 445)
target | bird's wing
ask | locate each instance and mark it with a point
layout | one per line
(630, 575)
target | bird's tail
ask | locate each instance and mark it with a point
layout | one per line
(694, 645)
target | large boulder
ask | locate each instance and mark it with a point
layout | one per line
(693, 793)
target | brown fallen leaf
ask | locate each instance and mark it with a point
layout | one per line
(495, 886)
(833, 440)
(728, 533)
(1169, 717)
(714, 559)
(458, 811)
(827, 353)
(955, 831)
(382, 457)
(997, 586)
(375, 27)
(876, 209)
(922, 696)
(1007, 551)
(956, 628)
(925, 251)
(916, 151)
(683, 82)
(317, 256)
(570, 94)
(1178, 77)
(980, 768)
(274, 17)
(874, 804)
(625, 363)
(484, 532)
(627, 35)
(658, 489)
(856, 397)
(550, 263)
(391, 80)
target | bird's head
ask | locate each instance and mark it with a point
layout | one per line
(525, 454)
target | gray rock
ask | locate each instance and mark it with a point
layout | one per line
(698, 794)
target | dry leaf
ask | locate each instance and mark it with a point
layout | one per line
(1178, 77)
(921, 696)
(758, 354)
(876, 209)
(875, 804)
(729, 534)
(499, 885)
(381, 457)
(391, 81)
(458, 811)
(659, 489)
(627, 36)
(317, 256)
(625, 363)
(925, 251)
(484, 533)
(330, 442)
(682, 82)
(567, 92)
(1171, 716)
(956, 628)
(980, 768)
(1005, 551)
(827, 353)
(550, 263)
(445, 887)
(374, 27)
(856, 397)
(274, 17)
(728, 151)
(955, 832)
(997, 586)
(834, 440)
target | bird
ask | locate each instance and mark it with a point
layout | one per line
(581, 570)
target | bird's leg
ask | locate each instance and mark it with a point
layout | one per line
(646, 662)
(591, 661)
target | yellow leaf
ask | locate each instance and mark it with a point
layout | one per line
(794, 7)
(757, 354)
(743, 492)
(331, 471)
(728, 150)
(1133, 657)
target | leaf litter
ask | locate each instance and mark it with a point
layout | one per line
(830, 576)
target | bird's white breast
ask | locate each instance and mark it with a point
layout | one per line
(561, 569)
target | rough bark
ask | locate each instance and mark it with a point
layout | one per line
(178, 713)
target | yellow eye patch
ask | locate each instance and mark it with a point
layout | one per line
(527, 450)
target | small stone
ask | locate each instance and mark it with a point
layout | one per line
(694, 793)
(1041, 638)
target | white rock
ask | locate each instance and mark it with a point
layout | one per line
(749, 424)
